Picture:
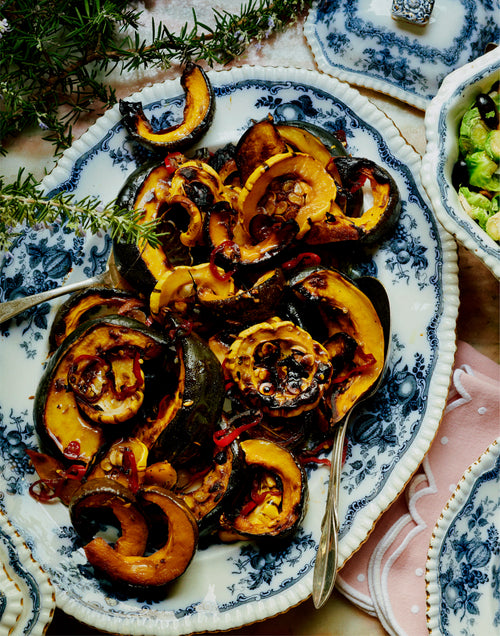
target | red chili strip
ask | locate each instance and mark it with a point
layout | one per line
(315, 460)
(224, 437)
(305, 258)
(127, 391)
(44, 490)
(213, 255)
(256, 499)
(130, 467)
(172, 162)
(75, 472)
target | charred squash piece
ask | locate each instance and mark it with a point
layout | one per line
(187, 417)
(257, 144)
(184, 285)
(254, 304)
(344, 308)
(275, 498)
(91, 303)
(146, 190)
(58, 417)
(385, 202)
(198, 114)
(164, 565)
(313, 140)
(209, 496)
(288, 186)
(108, 496)
(233, 248)
(279, 368)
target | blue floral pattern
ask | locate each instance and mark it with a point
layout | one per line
(410, 263)
(355, 43)
(468, 556)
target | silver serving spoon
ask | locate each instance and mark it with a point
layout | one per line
(325, 567)
(110, 278)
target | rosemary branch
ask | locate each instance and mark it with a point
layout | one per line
(54, 58)
(23, 202)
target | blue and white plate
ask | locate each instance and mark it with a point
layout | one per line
(358, 41)
(27, 598)
(230, 586)
(463, 563)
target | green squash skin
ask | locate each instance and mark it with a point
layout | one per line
(127, 256)
(44, 384)
(190, 433)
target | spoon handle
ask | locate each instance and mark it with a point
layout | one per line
(325, 567)
(11, 308)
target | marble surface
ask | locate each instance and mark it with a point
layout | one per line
(478, 320)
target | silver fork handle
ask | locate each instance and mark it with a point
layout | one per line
(12, 308)
(325, 567)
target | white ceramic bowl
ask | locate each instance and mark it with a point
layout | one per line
(442, 118)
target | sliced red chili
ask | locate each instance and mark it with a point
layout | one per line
(44, 490)
(214, 270)
(256, 499)
(224, 437)
(130, 468)
(172, 162)
(305, 258)
(127, 391)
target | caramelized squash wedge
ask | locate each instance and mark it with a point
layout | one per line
(258, 143)
(342, 308)
(374, 218)
(87, 370)
(186, 418)
(162, 566)
(102, 497)
(198, 114)
(91, 303)
(279, 368)
(289, 185)
(275, 499)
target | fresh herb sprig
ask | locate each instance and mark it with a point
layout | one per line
(23, 202)
(55, 56)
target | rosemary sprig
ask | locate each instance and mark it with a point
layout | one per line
(54, 59)
(23, 202)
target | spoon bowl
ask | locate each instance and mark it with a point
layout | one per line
(325, 567)
(110, 278)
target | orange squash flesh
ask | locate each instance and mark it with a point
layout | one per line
(164, 565)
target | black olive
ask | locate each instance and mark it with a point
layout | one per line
(488, 110)
(460, 174)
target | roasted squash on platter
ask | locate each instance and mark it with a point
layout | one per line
(188, 405)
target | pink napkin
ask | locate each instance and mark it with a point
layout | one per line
(386, 577)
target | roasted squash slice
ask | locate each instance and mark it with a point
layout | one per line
(288, 186)
(160, 567)
(59, 419)
(257, 144)
(91, 303)
(304, 137)
(379, 209)
(344, 308)
(198, 114)
(275, 499)
(279, 368)
(108, 496)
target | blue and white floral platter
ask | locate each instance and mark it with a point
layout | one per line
(234, 585)
(27, 598)
(442, 120)
(358, 41)
(463, 563)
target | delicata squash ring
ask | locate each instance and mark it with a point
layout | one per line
(290, 185)
(279, 368)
